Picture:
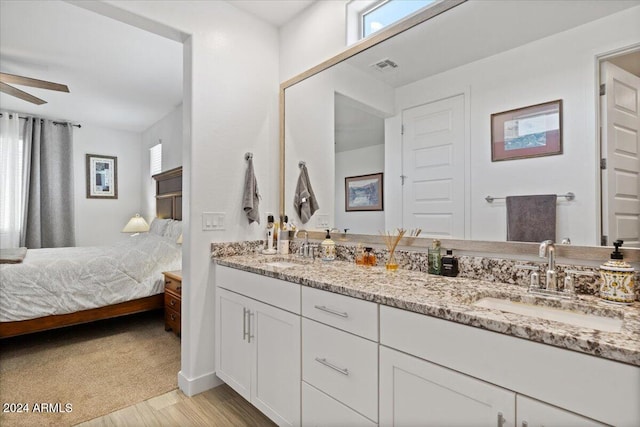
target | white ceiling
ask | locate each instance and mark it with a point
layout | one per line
(276, 12)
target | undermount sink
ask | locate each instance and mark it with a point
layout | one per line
(571, 317)
(281, 264)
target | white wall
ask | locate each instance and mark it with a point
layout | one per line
(100, 221)
(316, 34)
(230, 107)
(167, 130)
(362, 161)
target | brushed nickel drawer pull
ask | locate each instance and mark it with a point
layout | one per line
(172, 303)
(173, 316)
(329, 310)
(244, 324)
(323, 361)
(249, 336)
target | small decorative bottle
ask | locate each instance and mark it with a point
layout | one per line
(449, 264)
(328, 248)
(617, 278)
(369, 257)
(435, 259)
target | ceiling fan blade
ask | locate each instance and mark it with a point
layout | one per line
(10, 90)
(27, 81)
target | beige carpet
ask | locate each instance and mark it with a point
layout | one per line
(95, 368)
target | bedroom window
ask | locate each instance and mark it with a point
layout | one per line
(12, 181)
(365, 17)
(155, 159)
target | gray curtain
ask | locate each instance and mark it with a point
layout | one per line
(49, 207)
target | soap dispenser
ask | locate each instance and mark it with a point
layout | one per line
(617, 278)
(434, 258)
(328, 248)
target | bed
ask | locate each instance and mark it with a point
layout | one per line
(59, 287)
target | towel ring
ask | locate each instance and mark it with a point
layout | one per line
(248, 156)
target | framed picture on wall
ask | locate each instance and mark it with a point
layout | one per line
(102, 177)
(363, 193)
(522, 133)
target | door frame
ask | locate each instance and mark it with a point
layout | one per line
(598, 59)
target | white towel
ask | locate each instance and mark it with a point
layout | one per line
(251, 197)
(304, 201)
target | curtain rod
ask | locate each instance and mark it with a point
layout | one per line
(55, 123)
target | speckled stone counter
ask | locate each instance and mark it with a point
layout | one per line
(452, 299)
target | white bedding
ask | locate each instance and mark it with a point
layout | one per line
(66, 280)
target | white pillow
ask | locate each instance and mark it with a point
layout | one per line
(173, 230)
(159, 226)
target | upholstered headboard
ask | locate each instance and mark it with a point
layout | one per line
(169, 194)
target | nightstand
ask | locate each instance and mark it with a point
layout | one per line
(172, 300)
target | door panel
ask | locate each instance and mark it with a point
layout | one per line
(233, 351)
(276, 385)
(434, 166)
(416, 392)
(620, 117)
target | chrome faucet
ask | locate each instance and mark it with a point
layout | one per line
(548, 249)
(306, 250)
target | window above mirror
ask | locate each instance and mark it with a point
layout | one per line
(365, 17)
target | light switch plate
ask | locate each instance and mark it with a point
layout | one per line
(323, 221)
(212, 221)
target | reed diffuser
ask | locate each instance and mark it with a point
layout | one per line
(392, 242)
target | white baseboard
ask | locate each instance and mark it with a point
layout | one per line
(193, 386)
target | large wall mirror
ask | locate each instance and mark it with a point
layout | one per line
(417, 107)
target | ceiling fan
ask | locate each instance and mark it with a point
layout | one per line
(5, 87)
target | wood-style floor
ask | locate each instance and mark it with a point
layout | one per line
(219, 407)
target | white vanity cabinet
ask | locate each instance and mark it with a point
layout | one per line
(416, 392)
(258, 343)
(465, 370)
(339, 360)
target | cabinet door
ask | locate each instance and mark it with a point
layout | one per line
(233, 350)
(533, 413)
(276, 378)
(416, 392)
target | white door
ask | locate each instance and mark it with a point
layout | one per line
(233, 350)
(276, 375)
(620, 118)
(433, 166)
(414, 392)
(533, 413)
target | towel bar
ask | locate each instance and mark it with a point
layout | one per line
(569, 196)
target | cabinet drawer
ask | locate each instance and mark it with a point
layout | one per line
(172, 284)
(349, 314)
(172, 301)
(342, 365)
(172, 320)
(320, 410)
(281, 294)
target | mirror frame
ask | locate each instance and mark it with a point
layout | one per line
(507, 249)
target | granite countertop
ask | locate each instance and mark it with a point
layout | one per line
(452, 298)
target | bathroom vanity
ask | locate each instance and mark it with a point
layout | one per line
(313, 343)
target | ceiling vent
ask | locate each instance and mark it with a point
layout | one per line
(385, 65)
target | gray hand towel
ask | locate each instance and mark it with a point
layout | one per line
(251, 197)
(531, 218)
(304, 201)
